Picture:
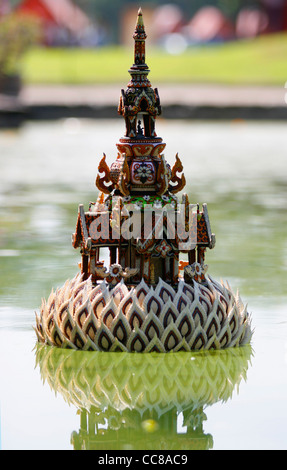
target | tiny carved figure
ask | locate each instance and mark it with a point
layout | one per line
(140, 131)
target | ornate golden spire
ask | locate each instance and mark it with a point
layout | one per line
(139, 103)
(139, 71)
(140, 37)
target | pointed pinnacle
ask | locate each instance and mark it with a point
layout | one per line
(140, 29)
(140, 23)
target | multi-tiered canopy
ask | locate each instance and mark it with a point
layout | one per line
(140, 186)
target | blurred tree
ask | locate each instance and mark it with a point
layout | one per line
(17, 34)
(229, 7)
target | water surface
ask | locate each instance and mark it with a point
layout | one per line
(64, 400)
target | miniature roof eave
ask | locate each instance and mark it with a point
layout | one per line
(77, 236)
(179, 239)
(211, 236)
(204, 238)
(81, 235)
(152, 100)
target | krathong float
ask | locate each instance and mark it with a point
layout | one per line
(147, 299)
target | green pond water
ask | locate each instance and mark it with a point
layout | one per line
(55, 399)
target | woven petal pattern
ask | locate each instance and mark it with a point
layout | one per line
(143, 319)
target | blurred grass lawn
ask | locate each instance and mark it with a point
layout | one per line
(261, 61)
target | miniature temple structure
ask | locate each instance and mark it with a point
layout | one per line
(136, 215)
(143, 285)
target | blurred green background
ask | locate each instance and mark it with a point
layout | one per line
(89, 41)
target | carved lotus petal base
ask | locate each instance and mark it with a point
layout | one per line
(143, 319)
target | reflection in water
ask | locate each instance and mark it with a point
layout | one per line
(143, 401)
